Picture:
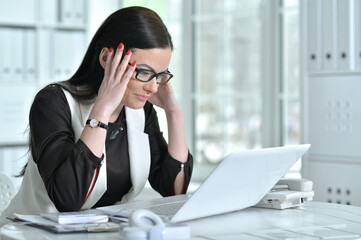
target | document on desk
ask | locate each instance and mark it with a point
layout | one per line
(75, 217)
(41, 222)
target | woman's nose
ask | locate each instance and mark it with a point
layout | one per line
(152, 86)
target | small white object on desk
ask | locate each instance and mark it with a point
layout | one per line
(288, 193)
(146, 225)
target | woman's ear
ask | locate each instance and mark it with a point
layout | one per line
(103, 57)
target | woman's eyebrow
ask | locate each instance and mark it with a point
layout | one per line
(149, 67)
(146, 65)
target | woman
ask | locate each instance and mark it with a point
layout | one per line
(95, 138)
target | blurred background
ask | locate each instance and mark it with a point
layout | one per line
(249, 74)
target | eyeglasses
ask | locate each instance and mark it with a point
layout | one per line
(145, 75)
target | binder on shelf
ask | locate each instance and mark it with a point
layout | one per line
(17, 54)
(358, 35)
(1, 56)
(67, 12)
(314, 35)
(78, 12)
(78, 46)
(49, 12)
(345, 34)
(67, 42)
(29, 51)
(329, 35)
(6, 54)
(46, 57)
(60, 55)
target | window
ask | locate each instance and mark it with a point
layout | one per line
(230, 71)
(236, 67)
(289, 92)
(290, 69)
(246, 73)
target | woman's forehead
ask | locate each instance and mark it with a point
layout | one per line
(156, 58)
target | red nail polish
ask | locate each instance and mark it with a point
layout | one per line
(110, 49)
(133, 64)
(120, 45)
(129, 51)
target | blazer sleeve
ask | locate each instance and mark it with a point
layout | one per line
(164, 168)
(66, 166)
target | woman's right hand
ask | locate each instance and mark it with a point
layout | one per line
(116, 77)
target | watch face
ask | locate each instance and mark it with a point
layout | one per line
(94, 123)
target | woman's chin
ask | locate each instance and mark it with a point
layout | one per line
(137, 105)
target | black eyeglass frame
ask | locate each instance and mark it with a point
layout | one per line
(152, 76)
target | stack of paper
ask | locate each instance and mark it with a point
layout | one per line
(75, 217)
(80, 222)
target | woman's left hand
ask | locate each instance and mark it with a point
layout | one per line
(165, 98)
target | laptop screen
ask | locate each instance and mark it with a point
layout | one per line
(241, 180)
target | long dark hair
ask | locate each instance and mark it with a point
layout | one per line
(135, 27)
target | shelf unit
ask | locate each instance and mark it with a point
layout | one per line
(41, 42)
(332, 82)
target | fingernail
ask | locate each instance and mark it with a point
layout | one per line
(129, 51)
(133, 64)
(110, 49)
(120, 45)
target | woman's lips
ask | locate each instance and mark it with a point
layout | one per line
(141, 97)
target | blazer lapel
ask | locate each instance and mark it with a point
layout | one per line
(139, 151)
(79, 115)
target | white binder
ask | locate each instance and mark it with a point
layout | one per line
(17, 54)
(6, 55)
(2, 57)
(60, 55)
(314, 35)
(29, 51)
(49, 12)
(67, 12)
(45, 52)
(329, 23)
(358, 34)
(78, 12)
(345, 33)
(78, 46)
(66, 42)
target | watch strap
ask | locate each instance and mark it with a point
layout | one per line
(100, 124)
(103, 125)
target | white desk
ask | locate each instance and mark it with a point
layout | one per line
(314, 220)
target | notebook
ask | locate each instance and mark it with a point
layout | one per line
(241, 180)
(75, 217)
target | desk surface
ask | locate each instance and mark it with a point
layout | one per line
(313, 220)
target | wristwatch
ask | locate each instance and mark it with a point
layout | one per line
(96, 123)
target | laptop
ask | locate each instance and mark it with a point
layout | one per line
(241, 180)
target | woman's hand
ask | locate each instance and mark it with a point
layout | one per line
(116, 77)
(165, 98)
(110, 95)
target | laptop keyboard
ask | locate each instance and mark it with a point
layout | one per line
(167, 209)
